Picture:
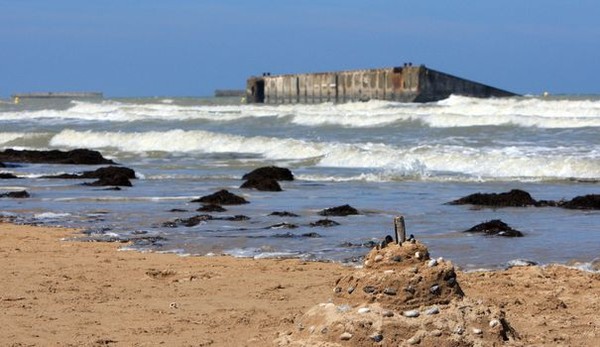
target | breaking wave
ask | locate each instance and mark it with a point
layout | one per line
(456, 111)
(511, 162)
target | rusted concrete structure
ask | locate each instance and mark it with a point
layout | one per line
(404, 84)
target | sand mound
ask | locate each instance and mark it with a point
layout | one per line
(400, 297)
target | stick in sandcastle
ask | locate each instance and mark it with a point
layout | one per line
(399, 229)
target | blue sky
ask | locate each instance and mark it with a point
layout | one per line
(191, 47)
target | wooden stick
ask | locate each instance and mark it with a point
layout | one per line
(399, 229)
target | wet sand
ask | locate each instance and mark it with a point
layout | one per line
(64, 293)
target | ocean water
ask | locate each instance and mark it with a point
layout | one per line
(383, 158)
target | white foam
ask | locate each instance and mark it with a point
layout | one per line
(389, 161)
(12, 136)
(260, 253)
(456, 111)
(51, 215)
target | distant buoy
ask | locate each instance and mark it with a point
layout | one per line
(16, 99)
(546, 94)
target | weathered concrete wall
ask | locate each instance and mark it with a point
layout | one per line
(404, 84)
(437, 85)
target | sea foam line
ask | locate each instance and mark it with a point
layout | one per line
(456, 111)
(505, 162)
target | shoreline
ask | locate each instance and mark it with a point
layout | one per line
(64, 293)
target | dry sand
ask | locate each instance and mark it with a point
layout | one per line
(64, 293)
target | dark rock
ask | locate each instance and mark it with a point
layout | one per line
(147, 241)
(188, 222)
(367, 244)
(102, 172)
(195, 220)
(7, 176)
(386, 241)
(369, 289)
(514, 198)
(109, 171)
(140, 241)
(177, 210)
(236, 218)
(283, 226)
(107, 176)
(326, 223)
(291, 236)
(284, 214)
(390, 291)
(116, 180)
(211, 208)
(262, 184)
(377, 337)
(15, 195)
(273, 172)
(113, 188)
(344, 210)
(495, 227)
(222, 197)
(76, 156)
(170, 224)
(586, 202)
(2, 164)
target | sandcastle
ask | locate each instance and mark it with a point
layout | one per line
(400, 297)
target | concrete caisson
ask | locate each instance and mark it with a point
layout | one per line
(403, 84)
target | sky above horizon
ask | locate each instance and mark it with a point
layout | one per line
(190, 48)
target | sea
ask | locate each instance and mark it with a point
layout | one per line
(385, 159)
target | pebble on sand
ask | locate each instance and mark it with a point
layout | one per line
(345, 336)
(364, 310)
(411, 313)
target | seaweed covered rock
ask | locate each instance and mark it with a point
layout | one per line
(262, 184)
(76, 156)
(201, 219)
(106, 176)
(514, 198)
(211, 208)
(283, 214)
(111, 180)
(340, 211)
(7, 176)
(586, 202)
(110, 171)
(325, 223)
(222, 197)
(15, 195)
(495, 227)
(272, 172)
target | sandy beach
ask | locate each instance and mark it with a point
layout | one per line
(63, 293)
